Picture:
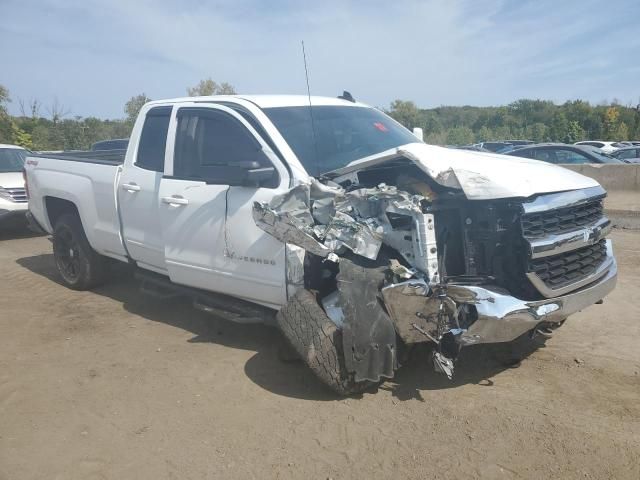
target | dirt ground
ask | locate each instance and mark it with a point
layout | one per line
(113, 384)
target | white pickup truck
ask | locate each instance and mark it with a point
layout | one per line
(330, 218)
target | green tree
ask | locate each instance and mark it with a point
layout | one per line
(559, 127)
(432, 125)
(439, 138)
(40, 138)
(405, 113)
(622, 132)
(537, 132)
(20, 137)
(4, 98)
(6, 132)
(575, 132)
(503, 133)
(485, 134)
(460, 136)
(611, 117)
(133, 106)
(209, 87)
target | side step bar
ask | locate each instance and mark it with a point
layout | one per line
(219, 305)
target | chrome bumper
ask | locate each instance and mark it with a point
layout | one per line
(502, 318)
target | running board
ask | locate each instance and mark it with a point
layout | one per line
(217, 304)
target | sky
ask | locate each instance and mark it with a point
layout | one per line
(93, 55)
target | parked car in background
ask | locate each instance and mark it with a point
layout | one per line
(518, 143)
(563, 154)
(503, 146)
(13, 199)
(473, 148)
(628, 154)
(491, 146)
(114, 144)
(604, 146)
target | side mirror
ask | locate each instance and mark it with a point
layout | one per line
(255, 175)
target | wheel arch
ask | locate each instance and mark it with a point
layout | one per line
(55, 207)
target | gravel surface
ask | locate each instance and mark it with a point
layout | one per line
(114, 384)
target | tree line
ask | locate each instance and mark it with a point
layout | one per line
(52, 127)
(537, 120)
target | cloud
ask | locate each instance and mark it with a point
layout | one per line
(94, 55)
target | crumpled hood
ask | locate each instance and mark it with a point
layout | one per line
(11, 180)
(481, 176)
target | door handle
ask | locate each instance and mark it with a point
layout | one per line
(131, 187)
(175, 200)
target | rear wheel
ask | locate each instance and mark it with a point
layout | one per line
(318, 341)
(79, 265)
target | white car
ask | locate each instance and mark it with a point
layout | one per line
(607, 147)
(328, 215)
(13, 199)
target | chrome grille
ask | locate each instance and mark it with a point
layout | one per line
(18, 195)
(561, 220)
(558, 271)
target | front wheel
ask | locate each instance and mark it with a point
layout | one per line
(79, 265)
(318, 342)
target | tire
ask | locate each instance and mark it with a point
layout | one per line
(79, 265)
(318, 342)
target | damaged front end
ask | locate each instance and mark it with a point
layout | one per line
(399, 258)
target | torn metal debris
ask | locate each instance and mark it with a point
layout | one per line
(408, 247)
(327, 220)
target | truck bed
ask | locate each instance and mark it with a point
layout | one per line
(87, 180)
(106, 157)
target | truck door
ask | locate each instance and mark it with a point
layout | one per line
(219, 168)
(138, 192)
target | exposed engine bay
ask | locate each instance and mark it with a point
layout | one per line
(398, 258)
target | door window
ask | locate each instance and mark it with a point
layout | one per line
(153, 140)
(546, 155)
(571, 157)
(215, 147)
(625, 154)
(524, 153)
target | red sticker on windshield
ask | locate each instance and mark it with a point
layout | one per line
(381, 127)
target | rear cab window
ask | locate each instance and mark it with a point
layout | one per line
(153, 139)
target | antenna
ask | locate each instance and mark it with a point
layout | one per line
(313, 126)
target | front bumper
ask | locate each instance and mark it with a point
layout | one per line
(33, 224)
(13, 213)
(501, 317)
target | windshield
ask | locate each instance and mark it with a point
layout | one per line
(342, 134)
(11, 159)
(603, 157)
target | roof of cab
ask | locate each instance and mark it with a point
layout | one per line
(269, 101)
(17, 147)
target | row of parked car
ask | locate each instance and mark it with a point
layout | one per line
(590, 151)
(13, 198)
